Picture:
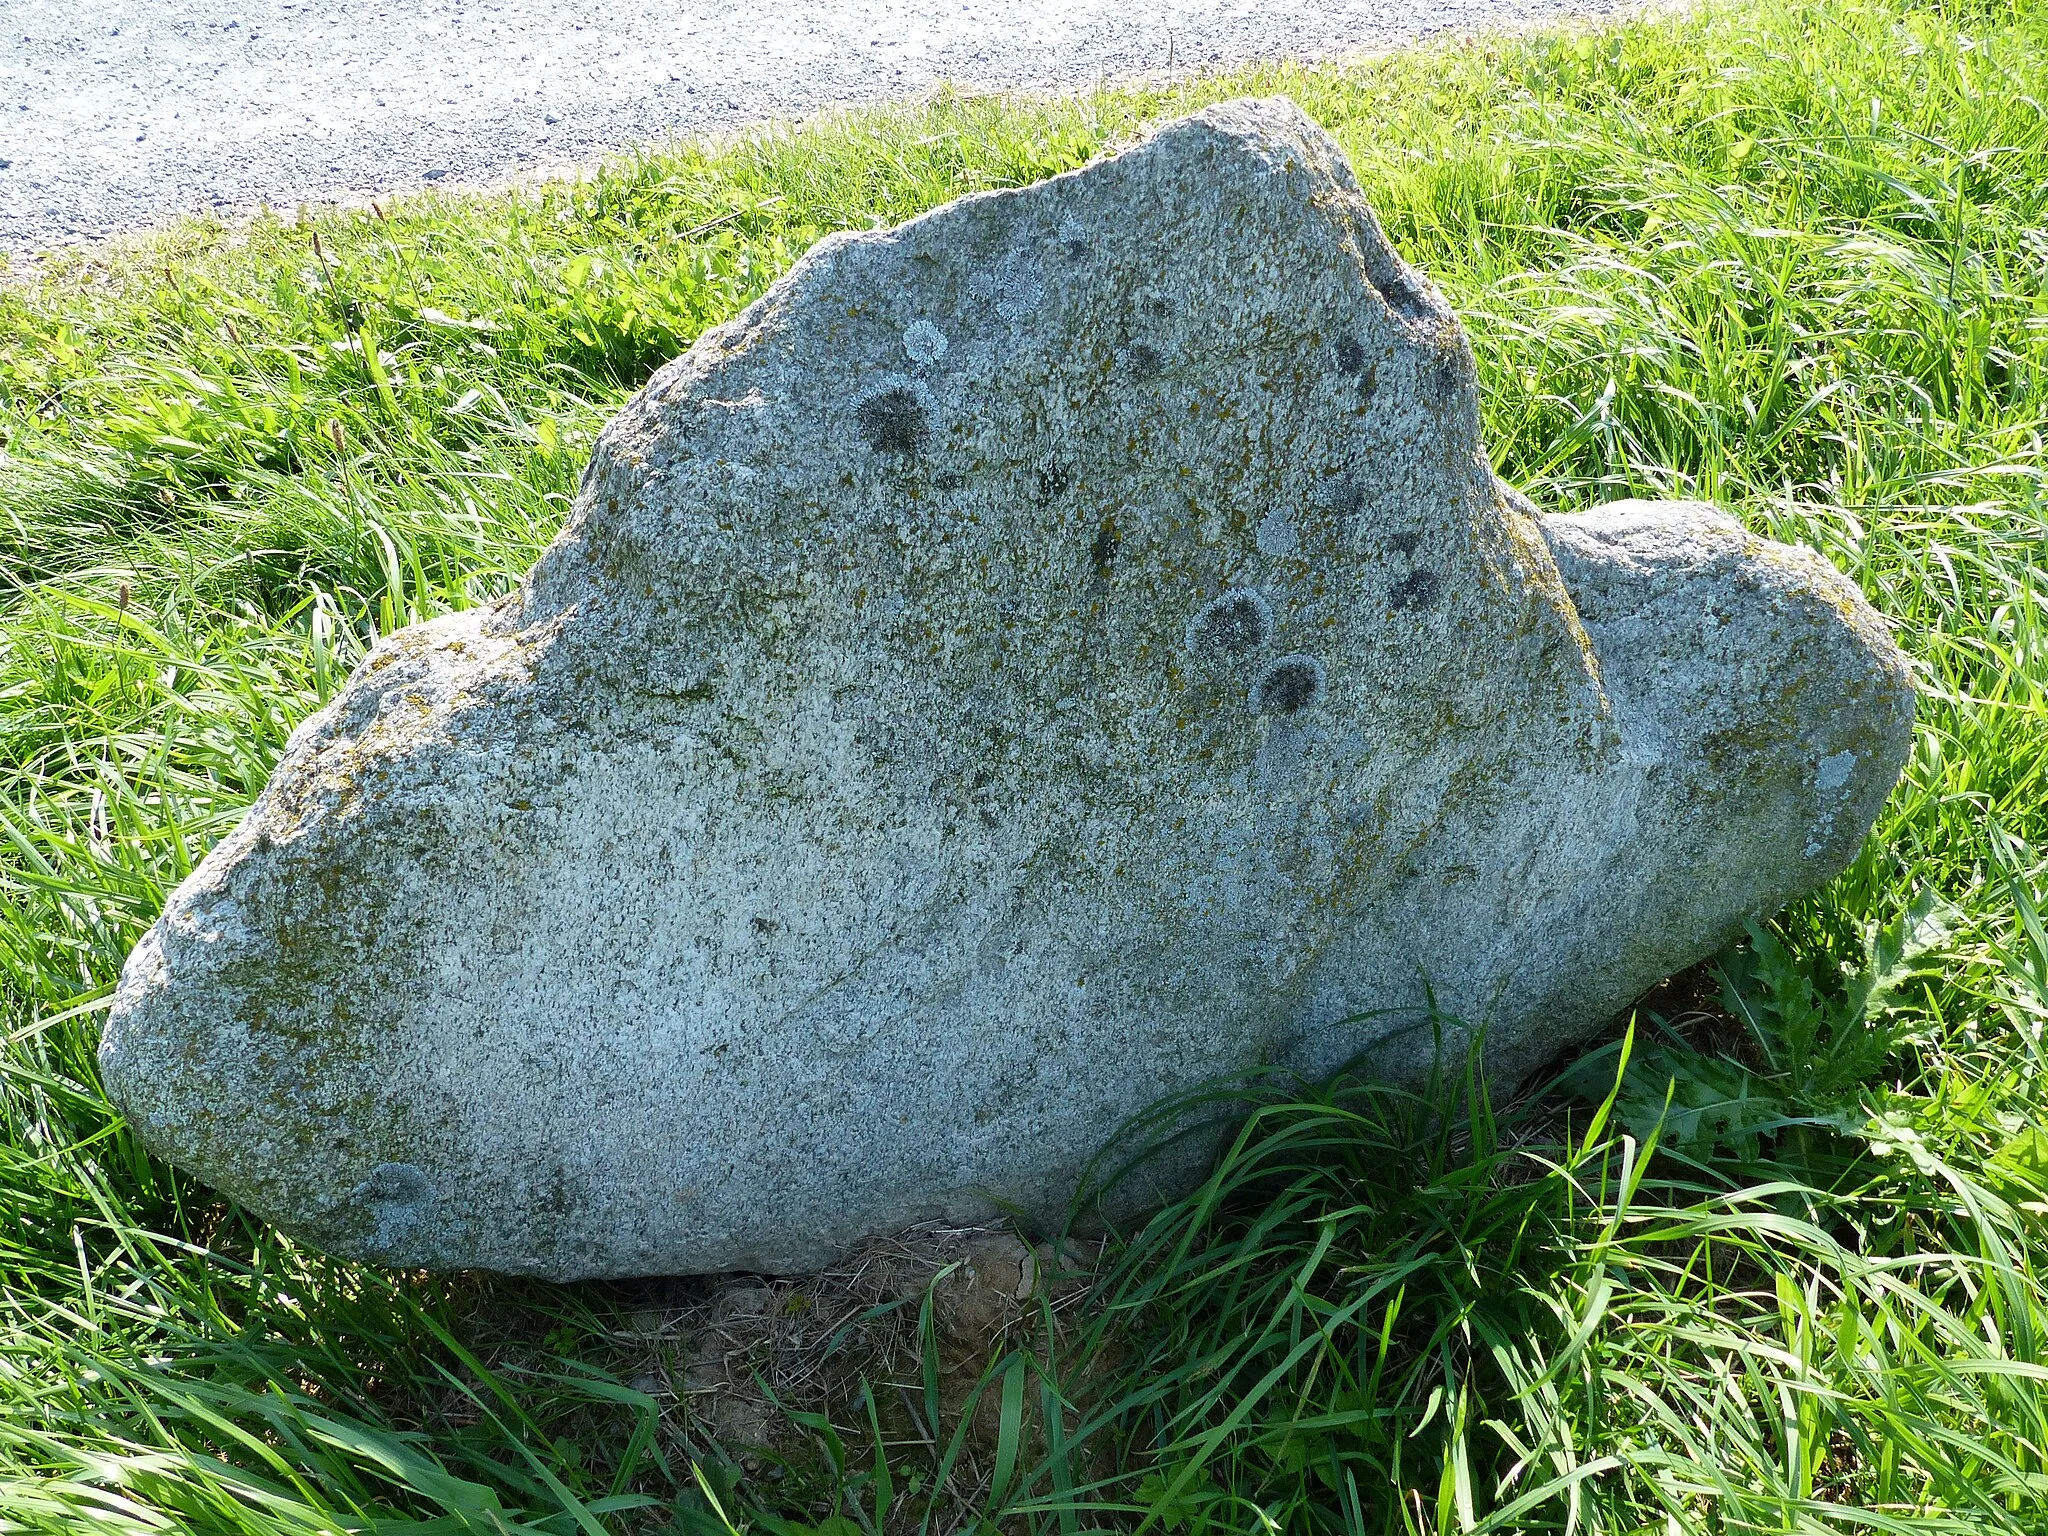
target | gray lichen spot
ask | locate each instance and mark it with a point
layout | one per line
(1277, 535)
(923, 343)
(1418, 589)
(1235, 624)
(894, 418)
(1831, 781)
(398, 1197)
(1015, 288)
(1833, 772)
(1288, 686)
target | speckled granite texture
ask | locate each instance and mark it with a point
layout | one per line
(1034, 660)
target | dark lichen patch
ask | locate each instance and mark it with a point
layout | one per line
(1143, 359)
(1368, 385)
(1053, 480)
(1418, 589)
(1447, 376)
(1288, 686)
(1403, 295)
(951, 480)
(1346, 498)
(893, 420)
(1103, 551)
(1350, 355)
(1405, 541)
(1235, 624)
(394, 1184)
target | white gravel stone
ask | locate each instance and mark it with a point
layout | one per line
(885, 786)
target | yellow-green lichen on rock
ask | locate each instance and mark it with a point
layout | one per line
(1054, 653)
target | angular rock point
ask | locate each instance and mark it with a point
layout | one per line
(1049, 655)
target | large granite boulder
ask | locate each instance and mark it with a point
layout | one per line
(1043, 657)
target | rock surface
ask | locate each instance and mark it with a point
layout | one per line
(1046, 656)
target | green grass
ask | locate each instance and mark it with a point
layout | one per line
(1782, 1272)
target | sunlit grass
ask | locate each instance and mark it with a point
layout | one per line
(1788, 256)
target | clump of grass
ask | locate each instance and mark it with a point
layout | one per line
(1673, 1290)
(1790, 256)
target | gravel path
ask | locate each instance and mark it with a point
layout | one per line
(122, 113)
